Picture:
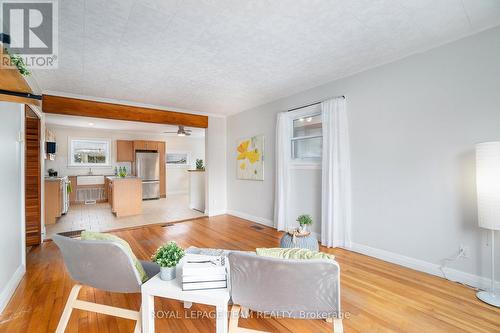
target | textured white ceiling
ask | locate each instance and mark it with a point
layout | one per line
(225, 56)
(117, 125)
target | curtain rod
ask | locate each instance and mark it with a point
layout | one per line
(305, 106)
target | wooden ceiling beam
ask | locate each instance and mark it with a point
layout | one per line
(85, 108)
(20, 99)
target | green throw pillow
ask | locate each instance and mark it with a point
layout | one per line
(90, 235)
(292, 253)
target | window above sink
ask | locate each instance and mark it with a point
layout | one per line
(90, 153)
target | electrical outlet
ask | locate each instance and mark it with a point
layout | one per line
(464, 250)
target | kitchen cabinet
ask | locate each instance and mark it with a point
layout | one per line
(124, 151)
(146, 145)
(152, 145)
(125, 195)
(53, 200)
(140, 145)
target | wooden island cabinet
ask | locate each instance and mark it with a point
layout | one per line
(125, 195)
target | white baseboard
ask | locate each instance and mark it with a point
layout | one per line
(256, 219)
(215, 212)
(395, 258)
(424, 266)
(11, 286)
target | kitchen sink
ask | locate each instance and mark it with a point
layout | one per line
(89, 180)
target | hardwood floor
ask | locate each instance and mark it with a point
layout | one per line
(99, 217)
(376, 296)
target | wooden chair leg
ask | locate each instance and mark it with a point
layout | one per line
(233, 321)
(234, 318)
(245, 312)
(74, 303)
(138, 323)
(63, 322)
(337, 326)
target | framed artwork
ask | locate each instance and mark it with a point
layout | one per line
(250, 158)
(178, 159)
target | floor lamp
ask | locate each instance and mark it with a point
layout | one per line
(488, 204)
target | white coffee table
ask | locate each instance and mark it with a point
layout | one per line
(173, 290)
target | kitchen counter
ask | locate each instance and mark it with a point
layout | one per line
(118, 177)
(53, 179)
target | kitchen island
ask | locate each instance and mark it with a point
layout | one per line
(124, 195)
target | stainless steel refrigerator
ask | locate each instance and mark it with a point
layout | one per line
(148, 169)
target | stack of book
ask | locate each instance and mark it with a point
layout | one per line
(204, 272)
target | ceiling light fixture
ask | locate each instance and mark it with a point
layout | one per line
(309, 119)
(181, 131)
(91, 124)
(301, 119)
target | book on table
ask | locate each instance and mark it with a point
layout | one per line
(204, 272)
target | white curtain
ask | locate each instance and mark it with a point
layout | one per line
(281, 198)
(336, 175)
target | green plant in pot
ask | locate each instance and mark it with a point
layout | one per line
(199, 164)
(168, 256)
(304, 221)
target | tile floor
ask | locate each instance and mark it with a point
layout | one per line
(98, 217)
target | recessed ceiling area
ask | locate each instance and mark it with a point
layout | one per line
(117, 125)
(227, 56)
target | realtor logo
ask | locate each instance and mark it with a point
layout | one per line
(32, 27)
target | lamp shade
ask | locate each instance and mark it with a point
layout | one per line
(488, 184)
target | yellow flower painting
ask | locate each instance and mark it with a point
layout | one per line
(250, 158)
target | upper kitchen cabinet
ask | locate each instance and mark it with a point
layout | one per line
(152, 145)
(140, 145)
(125, 150)
(145, 145)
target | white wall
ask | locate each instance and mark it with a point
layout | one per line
(413, 126)
(177, 178)
(216, 168)
(12, 265)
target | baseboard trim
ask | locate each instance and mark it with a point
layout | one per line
(11, 286)
(253, 218)
(216, 212)
(424, 266)
(395, 258)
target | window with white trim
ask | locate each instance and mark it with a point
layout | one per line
(307, 136)
(89, 152)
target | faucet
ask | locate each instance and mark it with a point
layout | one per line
(90, 172)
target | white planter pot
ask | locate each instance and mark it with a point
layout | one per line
(167, 273)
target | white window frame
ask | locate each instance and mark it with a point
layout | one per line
(294, 115)
(72, 164)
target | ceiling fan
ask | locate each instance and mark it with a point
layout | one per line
(181, 131)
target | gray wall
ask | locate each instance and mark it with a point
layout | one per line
(11, 200)
(413, 126)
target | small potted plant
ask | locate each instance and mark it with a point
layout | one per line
(304, 221)
(199, 164)
(168, 256)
